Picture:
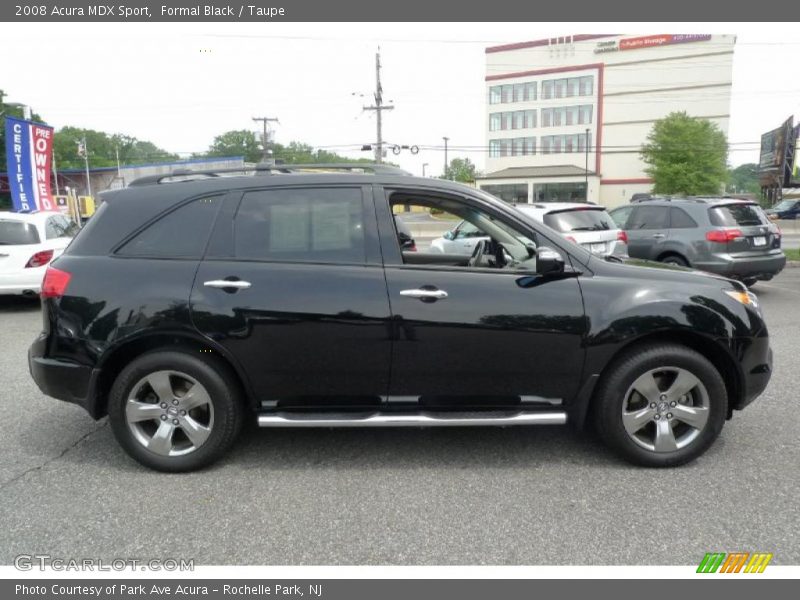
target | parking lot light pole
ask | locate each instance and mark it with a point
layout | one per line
(586, 166)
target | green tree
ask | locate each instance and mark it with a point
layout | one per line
(460, 169)
(103, 149)
(239, 142)
(744, 178)
(686, 155)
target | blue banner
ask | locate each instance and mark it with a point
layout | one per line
(29, 148)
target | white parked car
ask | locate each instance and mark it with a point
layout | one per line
(586, 224)
(28, 243)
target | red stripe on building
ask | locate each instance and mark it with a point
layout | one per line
(623, 181)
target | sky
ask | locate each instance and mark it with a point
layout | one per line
(179, 85)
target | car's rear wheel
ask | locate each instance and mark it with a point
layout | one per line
(661, 405)
(172, 411)
(674, 259)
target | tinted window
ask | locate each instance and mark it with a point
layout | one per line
(182, 233)
(732, 215)
(306, 225)
(680, 219)
(620, 215)
(579, 220)
(648, 217)
(17, 233)
(468, 230)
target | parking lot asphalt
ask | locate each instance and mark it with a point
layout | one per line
(518, 496)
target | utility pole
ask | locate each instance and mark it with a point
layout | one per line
(83, 150)
(378, 107)
(265, 143)
(586, 166)
(446, 139)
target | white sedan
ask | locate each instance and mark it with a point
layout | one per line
(586, 224)
(28, 243)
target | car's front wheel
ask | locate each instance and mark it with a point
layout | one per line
(173, 411)
(661, 405)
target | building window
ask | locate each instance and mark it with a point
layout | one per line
(494, 121)
(547, 89)
(571, 115)
(586, 85)
(547, 117)
(494, 148)
(559, 116)
(585, 114)
(507, 94)
(507, 121)
(495, 94)
(530, 91)
(583, 140)
(511, 192)
(530, 119)
(519, 92)
(561, 88)
(519, 119)
(559, 192)
(530, 145)
(573, 86)
(547, 144)
(518, 146)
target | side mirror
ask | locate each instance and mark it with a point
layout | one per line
(406, 242)
(548, 261)
(448, 235)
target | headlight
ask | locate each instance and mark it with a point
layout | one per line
(746, 298)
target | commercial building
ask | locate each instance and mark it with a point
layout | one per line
(566, 117)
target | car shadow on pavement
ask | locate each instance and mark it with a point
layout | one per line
(10, 304)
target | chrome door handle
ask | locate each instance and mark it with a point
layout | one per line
(659, 236)
(424, 294)
(224, 283)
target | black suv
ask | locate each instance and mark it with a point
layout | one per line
(189, 305)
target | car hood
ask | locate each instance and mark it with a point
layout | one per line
(646, 269)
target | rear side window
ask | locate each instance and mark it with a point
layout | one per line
(680, 219)
(18, 233)
(182, 233)
(579, 220)
(648, 217)
(301, 225)
(731, 215)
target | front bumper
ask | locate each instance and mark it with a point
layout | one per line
(756, 363)
(64, 380)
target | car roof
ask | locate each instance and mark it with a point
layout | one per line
(548, 207)
(37, 217)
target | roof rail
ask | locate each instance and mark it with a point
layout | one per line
(267, 169)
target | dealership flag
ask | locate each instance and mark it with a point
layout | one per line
(29, 153)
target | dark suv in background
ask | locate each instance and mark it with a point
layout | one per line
(730, 237)
(288, 298)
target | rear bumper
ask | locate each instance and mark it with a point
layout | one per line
(21, 282)
(63, 380)
(745, 267)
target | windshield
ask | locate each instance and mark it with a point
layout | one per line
(18, 233)
(784, 205)
(579, 220)
(731, 215)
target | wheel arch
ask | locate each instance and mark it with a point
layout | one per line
(723, 361)
(116, 358)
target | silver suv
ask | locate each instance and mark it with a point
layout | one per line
(729, 237)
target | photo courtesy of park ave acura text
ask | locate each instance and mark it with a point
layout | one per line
(381, 295)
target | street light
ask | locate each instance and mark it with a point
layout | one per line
(424, 165)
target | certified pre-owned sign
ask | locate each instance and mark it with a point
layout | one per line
(650, 41)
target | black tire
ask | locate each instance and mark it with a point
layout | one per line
(226, 408)
(674, 259)
(612, 397)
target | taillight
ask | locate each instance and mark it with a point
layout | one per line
(412, 247)
(55, 283)
(40, 259)
(723, 236)
(622, 237)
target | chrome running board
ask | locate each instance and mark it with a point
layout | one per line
(411, 420)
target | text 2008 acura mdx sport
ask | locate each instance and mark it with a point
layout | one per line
(185, 308)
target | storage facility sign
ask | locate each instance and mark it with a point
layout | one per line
(29, 155)
(651, 41)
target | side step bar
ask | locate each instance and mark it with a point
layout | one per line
(411, 420)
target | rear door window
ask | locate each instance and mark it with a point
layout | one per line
(648, 217)
(18, 233)
(579, 220)
(680, 219)
(321, 225)
(733, 215)
(181, 233)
